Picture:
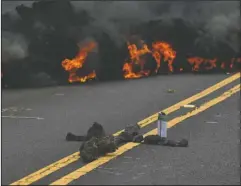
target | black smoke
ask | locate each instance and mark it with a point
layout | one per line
(37, 36)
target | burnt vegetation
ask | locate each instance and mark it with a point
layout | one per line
(53, 30)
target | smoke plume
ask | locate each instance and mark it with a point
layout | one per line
(37, 36)
(14, 46)
(219, 20)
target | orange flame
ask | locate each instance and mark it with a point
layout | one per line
(233, 61)
(196, 62)
(159, 50)
(223, 65)
(239, 60)
(135, 55)
(163, 49)
(74, 64)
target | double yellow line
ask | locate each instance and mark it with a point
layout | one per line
(89, 167)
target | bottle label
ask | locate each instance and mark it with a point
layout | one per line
(163, 129)
(159, 127)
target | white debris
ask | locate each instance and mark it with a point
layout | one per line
(22, 117)
(211, 122)
(59, 94)
(189, 106)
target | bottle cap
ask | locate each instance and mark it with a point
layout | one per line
(162, 113)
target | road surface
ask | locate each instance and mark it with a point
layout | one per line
(35, 137)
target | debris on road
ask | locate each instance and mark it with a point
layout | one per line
(15, 109)
(170, 91)
(133, 158)
(189, 106)
(211, 122)
(4, 110)
(162, 125)
(22, 117)
(96, 143)
(96, 130)
(95, 147)
(158, 140)
(218, 115)
(59, 94)
(12, 109)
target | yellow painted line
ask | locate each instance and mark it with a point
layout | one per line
(191, 99)
(91, 166)
(27, 180)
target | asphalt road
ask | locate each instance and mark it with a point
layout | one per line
(31, 144)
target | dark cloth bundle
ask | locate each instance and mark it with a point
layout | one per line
(131, 133)
(157, 140)
(96, 143)
(96, 130)
(97, 146)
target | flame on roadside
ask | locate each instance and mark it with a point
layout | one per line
(160, 51)
(134, 66)
(165, 51)
(136, 59)
(198, 62)
(72, 65)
